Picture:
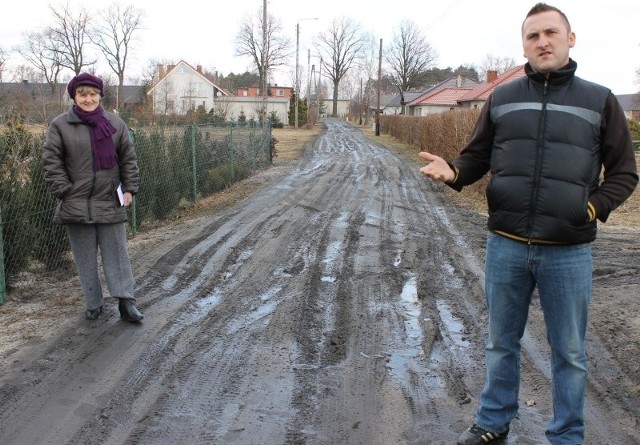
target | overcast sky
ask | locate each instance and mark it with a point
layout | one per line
(462, 32)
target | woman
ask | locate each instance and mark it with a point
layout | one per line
(91, 167)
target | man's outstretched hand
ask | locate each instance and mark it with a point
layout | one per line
(437, 168)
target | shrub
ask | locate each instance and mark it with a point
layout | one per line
(634, 127)
(443, 134)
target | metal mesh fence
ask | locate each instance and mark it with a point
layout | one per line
(178, 166)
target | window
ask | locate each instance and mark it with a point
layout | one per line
(280, 93)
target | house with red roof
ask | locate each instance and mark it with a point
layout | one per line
(437, 101)
(460, 93)
(476, 97)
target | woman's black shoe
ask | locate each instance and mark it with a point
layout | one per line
(93, 314)
(129, 311)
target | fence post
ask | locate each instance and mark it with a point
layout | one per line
(267, 139)
(193, 162)
(134, 220)
(3, 282)
(232, 157)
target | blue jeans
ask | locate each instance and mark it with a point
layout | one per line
(563, 275)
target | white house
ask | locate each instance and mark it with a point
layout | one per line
(231, 107)
(181, 88)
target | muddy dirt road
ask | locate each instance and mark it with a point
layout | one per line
(340, 304)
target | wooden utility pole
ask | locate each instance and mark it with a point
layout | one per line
(263, 87)
(379, 86)
(360, 104)
(318, 90)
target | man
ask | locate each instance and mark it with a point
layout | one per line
(544, 138)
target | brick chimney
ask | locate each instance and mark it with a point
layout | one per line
(161, 72)
(199, 68)
(491, 75)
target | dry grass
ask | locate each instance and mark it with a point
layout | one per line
(291, 141)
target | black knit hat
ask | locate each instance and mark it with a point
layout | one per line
(84, 79)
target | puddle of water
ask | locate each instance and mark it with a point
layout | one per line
(272, 292)
(333, 251)
(452, 281)
(169, 282)
(342, 222)
(201, 307)
(210, 300)
(260, 313)
(281, 273)
(242, 258)
(328, 279)
(410, 358)
(453, 325)
(398, 259)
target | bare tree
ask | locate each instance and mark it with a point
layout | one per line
(151, 71)
(3, 60)
(70, 38)
(339, 48)
(43, 67)
(113, 36)
(349, 84)
(497, 64)
(37, 52)
(409, 56)
(370, 74)
(222, 107)
(249, 42)
(165, 99)
(23, 72)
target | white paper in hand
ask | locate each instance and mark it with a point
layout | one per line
(121, 195)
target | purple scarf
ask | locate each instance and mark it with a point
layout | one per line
(100, 131)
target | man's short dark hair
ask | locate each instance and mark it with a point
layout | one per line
(539, 8)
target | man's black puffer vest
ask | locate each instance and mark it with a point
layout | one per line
(545, 161)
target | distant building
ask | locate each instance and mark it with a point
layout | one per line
(181, 88)
(274, 91)
(630, 103)
(441, 97)
(477, 96)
